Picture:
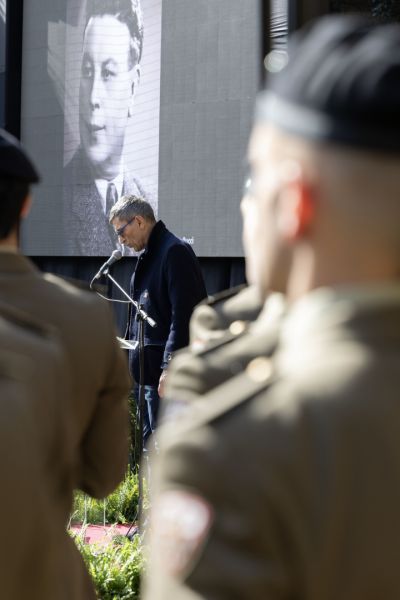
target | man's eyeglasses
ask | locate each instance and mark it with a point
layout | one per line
(121, 230)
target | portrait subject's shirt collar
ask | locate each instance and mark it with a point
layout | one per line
(102, 184)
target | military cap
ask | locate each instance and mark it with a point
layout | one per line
(14, 161)
(340, 83)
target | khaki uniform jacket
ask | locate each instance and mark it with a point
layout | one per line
(231, 331)
(212, 318)
(100, 380)
(285, 482)
(37, 556)
(96, 409)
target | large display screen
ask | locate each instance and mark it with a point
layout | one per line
(137, 97)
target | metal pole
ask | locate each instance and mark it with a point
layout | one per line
(13, 86)
(265, 8)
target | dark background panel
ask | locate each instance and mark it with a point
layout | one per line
(219, 274)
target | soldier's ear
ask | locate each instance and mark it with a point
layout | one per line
(296, 206)
(135, 84)
(26, 206)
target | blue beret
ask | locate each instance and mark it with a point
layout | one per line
(14, 162)
(341, 84)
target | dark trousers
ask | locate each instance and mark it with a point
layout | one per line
(150, 410)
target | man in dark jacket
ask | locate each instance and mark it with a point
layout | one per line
(167, 283)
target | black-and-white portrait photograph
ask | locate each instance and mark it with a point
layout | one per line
(111, 116)
(139, 97)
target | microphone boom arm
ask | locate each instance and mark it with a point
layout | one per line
(142, 314)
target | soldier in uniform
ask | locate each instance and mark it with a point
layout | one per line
(96, 406)
(284, 481)
(37, 555)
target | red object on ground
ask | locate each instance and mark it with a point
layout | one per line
(99, 534)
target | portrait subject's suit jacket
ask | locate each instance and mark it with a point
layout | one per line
(290, 469)
(86, 230)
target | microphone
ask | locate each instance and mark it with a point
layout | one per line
(116, 255)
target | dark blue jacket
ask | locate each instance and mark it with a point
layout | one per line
(168, 283)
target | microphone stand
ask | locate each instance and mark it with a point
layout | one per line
(141, 317)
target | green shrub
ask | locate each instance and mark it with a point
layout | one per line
(115, 568)
(120, 507)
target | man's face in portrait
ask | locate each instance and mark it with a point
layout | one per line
(108, 82)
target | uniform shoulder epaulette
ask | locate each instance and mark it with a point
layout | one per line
(259, 375)
(236, 330)
(214, 299)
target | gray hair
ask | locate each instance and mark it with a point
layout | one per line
(131, 206)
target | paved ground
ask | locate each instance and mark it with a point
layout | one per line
(100, 534)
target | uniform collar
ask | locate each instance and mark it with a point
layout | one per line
(334, 305)
(326, 308)
(9, 249)
(15, 262)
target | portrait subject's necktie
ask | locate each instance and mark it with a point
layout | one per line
(111, 198)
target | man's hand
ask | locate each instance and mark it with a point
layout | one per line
(161, 384)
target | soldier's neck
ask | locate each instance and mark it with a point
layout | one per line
(10, 242)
